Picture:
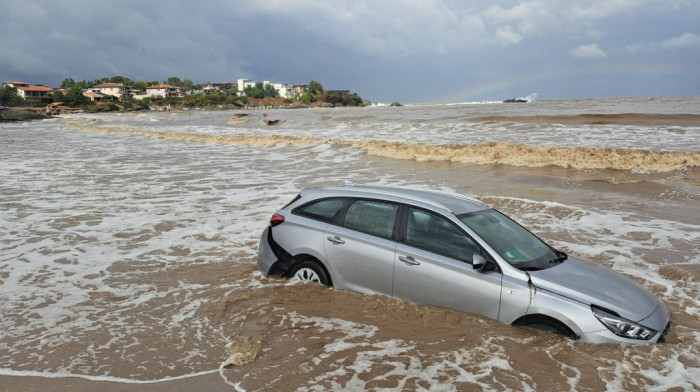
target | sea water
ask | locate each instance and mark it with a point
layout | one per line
(128, 242)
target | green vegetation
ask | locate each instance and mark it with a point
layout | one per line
(9, 97)
(73, 98)
(71, 95)
(260, 91)
(185, 85)
(20, 115)
(200, 101)
(339, 99)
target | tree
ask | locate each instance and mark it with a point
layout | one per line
(58, 96)
(140, 85)
(188, 84)
(74, 97)
(270, 91)
(315, 88)
(67, 83)
(255, 92)
(82, 85)
(307, 98)
(174, 81)
(9, 96)
(260, 91)
(121, 79)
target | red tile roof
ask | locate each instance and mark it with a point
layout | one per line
(159, 86)
(36, 88)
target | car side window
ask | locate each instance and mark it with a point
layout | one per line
(372, 217)
(323, 210)
(434, 233)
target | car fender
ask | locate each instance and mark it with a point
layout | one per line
(299, 244)
(574, 314)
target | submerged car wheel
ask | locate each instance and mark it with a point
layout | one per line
(310, 271)
(547, 324)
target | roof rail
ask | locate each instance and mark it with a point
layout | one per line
(386, 191)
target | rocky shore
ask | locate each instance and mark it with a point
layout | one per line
(8, 115)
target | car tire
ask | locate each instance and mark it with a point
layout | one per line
(547, 324)
(310, 271)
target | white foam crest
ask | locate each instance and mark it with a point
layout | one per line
(419, 125)
(30, 373)
(674, 372)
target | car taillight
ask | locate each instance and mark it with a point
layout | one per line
(276, 220)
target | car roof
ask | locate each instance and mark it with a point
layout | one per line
(457, 204)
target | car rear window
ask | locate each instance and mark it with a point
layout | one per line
(372, 217)
(323, 210)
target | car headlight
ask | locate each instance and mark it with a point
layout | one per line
(621, 326)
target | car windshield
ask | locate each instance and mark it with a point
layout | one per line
(513, 242)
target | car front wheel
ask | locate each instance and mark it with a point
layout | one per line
(310, 271)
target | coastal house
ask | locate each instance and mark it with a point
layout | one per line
(243, 83)
(96, 96)
(213, 87)
(42, 94)
(116, 90)
(163, 90)
(15, 84)
(300, 89)
(284, 90)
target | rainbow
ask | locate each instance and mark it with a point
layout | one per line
(529, 83)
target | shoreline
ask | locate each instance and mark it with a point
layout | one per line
(15, 115)
(207, 381)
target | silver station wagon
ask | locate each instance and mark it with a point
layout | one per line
(447, 250)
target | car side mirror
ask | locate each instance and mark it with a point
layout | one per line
(478, 261)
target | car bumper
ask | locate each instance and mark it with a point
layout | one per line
(659, 320)
(266, 257)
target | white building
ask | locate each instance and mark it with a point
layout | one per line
(40, 93)
(284, 90)
(116, 90)
(163, 90)
(243, 83)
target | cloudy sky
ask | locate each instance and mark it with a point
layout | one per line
(404, 50)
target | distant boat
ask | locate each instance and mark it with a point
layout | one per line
(516, 100)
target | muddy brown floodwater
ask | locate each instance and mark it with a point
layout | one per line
(128, 246)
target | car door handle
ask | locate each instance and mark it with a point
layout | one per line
(409, 260)
(336, 240)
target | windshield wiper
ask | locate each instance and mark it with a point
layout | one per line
(561, 256)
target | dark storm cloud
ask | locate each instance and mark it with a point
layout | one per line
(383, 50)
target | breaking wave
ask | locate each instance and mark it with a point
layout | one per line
(688, 120)
(513, 154)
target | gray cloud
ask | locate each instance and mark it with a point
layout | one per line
(590, 51)
(383, 50)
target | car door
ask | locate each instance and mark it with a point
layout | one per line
(360, 248)
(433, 267)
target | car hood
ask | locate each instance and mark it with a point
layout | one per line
(597, 285)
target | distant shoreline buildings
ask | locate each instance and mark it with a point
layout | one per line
(120, 92)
